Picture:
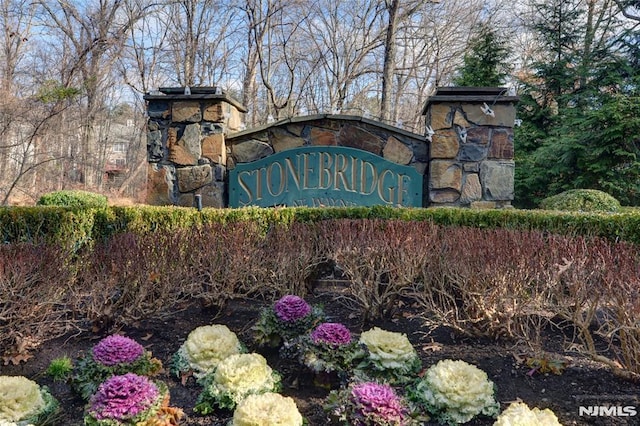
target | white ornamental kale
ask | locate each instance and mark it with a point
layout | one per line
(519, 414)
(455, 392)
(23, 401)
(204, 349)
(267, 409)
(236, 377)
(390, 356)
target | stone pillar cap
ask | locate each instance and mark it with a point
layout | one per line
(197, 93)
(490, 95)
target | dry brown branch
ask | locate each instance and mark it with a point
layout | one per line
(34, 289)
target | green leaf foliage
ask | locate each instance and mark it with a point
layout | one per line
(580, 106)
(485, 64)
(73, 198)
(78, 228)
(52, 91)
(586, 200)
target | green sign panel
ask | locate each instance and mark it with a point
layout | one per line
(320, 176)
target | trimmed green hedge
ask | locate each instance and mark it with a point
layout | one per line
(585, 200)
(73, 198)
(62, 225)
(75, 227)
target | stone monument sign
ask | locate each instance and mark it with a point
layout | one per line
(329, 176)
(198, 149)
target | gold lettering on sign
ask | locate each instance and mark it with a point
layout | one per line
(324, 167)
(281, 176)
(382, 186)
(402, 191)
(307, 169)
(331, 179)
(341, 165)
(245, 186)
(354, 160)
(363, 177)
(258, 183)
(293, 172)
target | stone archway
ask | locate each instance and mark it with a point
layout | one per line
(465, 157)
(342, 160)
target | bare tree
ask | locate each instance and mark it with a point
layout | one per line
(280, 59)
(16, 17)
(345, 34)
(20, 120)
(29, 151)
(93, 34)
(140, 62)
(389, 63)
(399, 14)
(216, 55)
(198, 40)
(431, 39)
(629, 8)
(260, 16)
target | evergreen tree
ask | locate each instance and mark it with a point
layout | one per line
(485, 64)
(579, 106)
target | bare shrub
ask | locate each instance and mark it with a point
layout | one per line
(34, 287)
(485, 282)
(381, 259)
(225, 261)
(599, 285)
(515, 284)
(291, 254)
(131, 277)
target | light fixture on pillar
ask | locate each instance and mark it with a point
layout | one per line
(430, 133)
(487, 110)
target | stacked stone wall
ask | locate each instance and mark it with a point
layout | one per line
(471, 151)
(402, 148)
(186, 148)
(466, 155)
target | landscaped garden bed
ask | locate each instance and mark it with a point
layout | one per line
(551, 320)
(581, 382)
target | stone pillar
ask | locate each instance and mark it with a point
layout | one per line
(471, 151)
(186, 147)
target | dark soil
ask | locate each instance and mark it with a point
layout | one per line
(582, 383)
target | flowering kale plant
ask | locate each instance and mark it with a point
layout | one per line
(331, 334)
(203, 350)
(236, 377)
(368, 404)
(113, 355)
(130, 399)
(288, 318)
(117, 349)
(519, 414)
(267, 409)
(330, 348)
(390, 357)
(455, 392)
(24, 402)
(291, 308)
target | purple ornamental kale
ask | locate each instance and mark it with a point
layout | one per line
(377, 402)
(123, 397)
(117, 349)
(291, 308)
(331, 333)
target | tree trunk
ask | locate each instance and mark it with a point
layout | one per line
(389, 65)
